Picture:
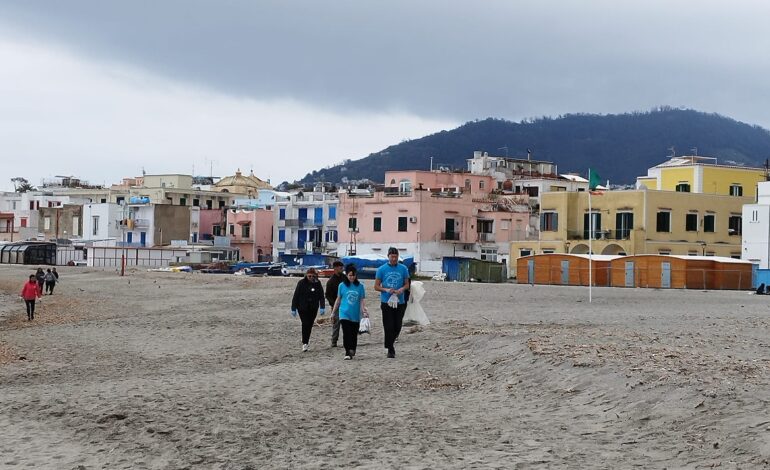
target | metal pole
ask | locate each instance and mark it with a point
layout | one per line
(590, 239)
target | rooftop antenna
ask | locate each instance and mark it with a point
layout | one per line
(673, 151)
(694, 151)
(143, 172)
(504, 147)
(529, 154)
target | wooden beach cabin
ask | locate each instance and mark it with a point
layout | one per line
(563, 269)
(680, 272)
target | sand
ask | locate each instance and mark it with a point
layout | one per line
(175, 370)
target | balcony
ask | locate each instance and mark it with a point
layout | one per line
(486, 237)
(450, 236)
(396, 192)
(141, 223)
(300, 223)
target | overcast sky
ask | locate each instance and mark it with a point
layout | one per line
(104, 89)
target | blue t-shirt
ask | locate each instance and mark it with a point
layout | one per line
(350, 301)
(393, 277)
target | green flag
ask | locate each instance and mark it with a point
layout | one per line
(594, 179)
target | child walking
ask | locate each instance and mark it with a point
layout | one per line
(29, 293)
(350, 307)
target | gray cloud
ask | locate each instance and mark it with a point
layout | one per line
(437, 59)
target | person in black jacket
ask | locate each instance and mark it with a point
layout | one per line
(308, 297)
(331, 296)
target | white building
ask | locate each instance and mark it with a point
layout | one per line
(305, 223)
(756, 228)
(101, 223)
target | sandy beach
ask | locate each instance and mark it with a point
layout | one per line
(174, 370)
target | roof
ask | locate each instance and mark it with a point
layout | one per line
(575, 178)
(238, 179)
(694, 160)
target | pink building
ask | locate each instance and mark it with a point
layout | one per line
(212, 223)
(431, 214)
(251, 230)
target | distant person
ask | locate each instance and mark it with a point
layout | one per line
(331, 296)
(29, 293)
(308, 297)
(50, 281)
(349, 307)
(40, 276)
(56, 274)
(391, 280)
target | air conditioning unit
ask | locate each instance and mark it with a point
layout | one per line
(413, 219)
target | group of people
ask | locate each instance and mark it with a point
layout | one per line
(346, 296)
(33, 288)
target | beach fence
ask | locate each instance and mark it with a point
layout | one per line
(110, 257)
(650, 271)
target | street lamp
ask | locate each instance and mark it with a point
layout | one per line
(566, 246)
(703, 248)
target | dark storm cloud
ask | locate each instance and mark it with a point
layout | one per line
(456, 60)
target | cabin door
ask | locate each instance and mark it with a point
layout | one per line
(629, 282)
(665, 275)
(565, 272)
(531, 271)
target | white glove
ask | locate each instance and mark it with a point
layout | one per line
(393, 301)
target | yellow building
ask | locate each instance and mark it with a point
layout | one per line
(692, 174)
(238, 183)
(638, 222)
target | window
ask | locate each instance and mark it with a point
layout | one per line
(281, 214)
(663, 221)
(331, 236)
(120, 200)
(736, 190)
(549, 222)
(182, 201)
(481, 186)
(691, 222)
(221, 204)
(595, 219)
(302, 214)
(664, 252)
(505, 225)
(624, 223)
(47, 223)
(332, 212)
(196, 202)
(485, 226)
(377, 224)
(754, 216)
(245, 230)
(708, 223)
(524, 252)
(489, 254)
(468, 184)
(282, 235)
(31, 205)
(75, 226)
(216, 230)
(209, 204)
(95, 224)
(352, 224)
(683, 188)
(404, 186)
(734, 225)
(402, 224)
(232, 229)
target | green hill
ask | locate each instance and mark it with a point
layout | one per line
(620, 147)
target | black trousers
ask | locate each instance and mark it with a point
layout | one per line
(392, 318)
(30, 309)
(49, 285)
(308, 318)
(349, 335)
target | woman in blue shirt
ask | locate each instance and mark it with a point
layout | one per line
(351, 308)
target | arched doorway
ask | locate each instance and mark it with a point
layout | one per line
(579, 249)
(613, 249)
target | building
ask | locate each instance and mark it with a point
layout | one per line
(251, 231)
(102, 223)
(432, 214)
(306, 222)
(241, 184)
(638, 222)
(756, 230)
(694, 174)
(61, 222)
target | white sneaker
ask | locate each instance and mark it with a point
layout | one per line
(347, 358)
(304, 348)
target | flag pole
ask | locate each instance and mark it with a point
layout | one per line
(590, 240)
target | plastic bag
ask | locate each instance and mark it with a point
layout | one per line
(365, 326)
(393, 301)
(414, 314)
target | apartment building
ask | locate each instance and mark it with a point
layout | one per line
(306, 222)
(695, 174)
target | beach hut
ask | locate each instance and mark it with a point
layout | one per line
(28, 252)
(680, 272)
(464, 269)
(564, 269)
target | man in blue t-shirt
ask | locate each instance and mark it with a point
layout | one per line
(392, 279)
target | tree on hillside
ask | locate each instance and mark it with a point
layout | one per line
(21, 185)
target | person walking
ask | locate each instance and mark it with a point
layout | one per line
(331, 296)
(50, 282)
(55, 273)
(29, 293)
(391, 280)
(40, 276)
(349, 307)
(308, 297)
